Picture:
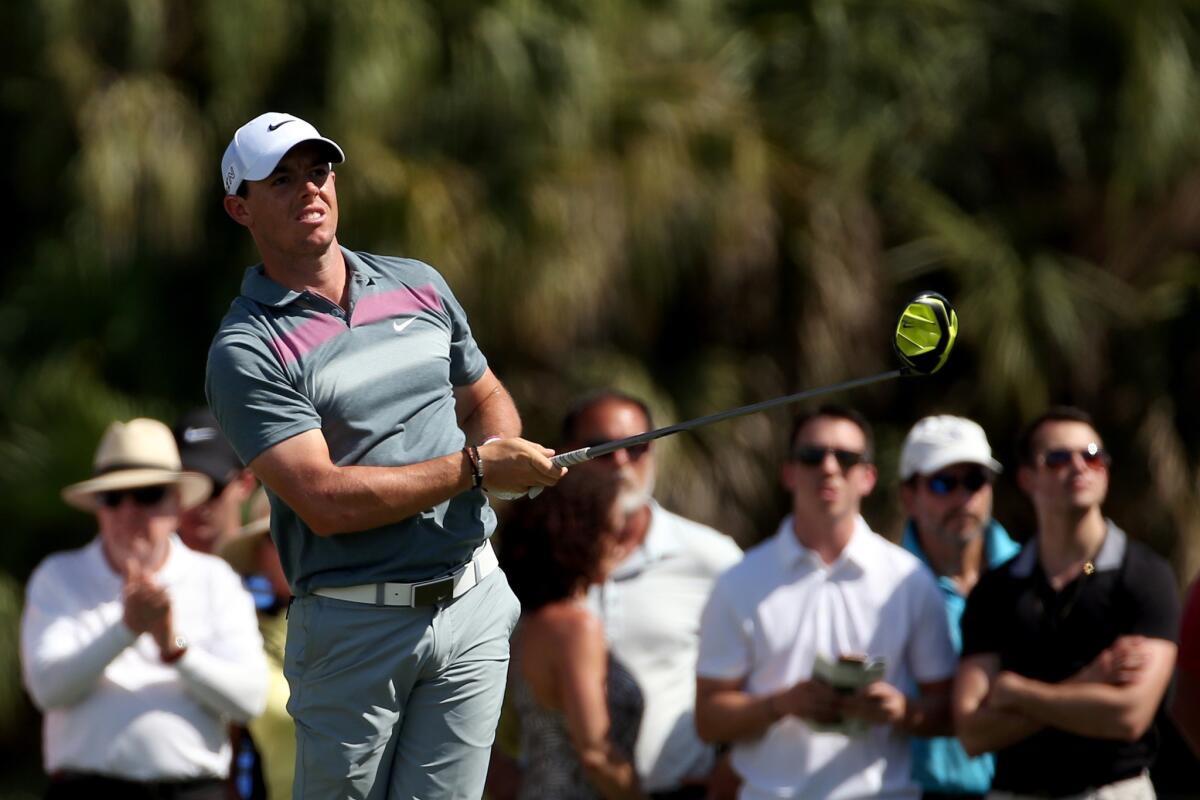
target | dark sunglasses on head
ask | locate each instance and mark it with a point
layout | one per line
(635, 451)
(142, 496)
(811, 456)
(943, 484)
(1094, 456)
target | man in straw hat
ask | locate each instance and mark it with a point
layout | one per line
(138, 650)
(352, 386)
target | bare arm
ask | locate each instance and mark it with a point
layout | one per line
(980, 728)
(925, 715)
(725, 712)
(1100, 710)
(582, 681)
(485, 409)
(333, 499)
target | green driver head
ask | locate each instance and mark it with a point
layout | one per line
(925, 333)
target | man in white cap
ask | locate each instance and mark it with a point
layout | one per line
(946, 473)
(138, 650)
(352, 386)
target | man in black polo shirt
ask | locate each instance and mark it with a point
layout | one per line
(1069, 647)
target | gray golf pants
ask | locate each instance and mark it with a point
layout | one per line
(394, 702)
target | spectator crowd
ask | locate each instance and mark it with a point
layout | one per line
(652, 658)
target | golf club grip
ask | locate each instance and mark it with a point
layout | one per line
(572, 457)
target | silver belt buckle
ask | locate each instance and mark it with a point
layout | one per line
(432, 592)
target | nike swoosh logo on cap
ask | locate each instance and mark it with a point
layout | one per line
(194, 435)
(279, 124)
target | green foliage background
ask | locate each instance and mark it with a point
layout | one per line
(707, 203)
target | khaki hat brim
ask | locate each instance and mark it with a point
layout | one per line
(194, 488)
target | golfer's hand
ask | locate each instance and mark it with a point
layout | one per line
(877, 703)
(813, 700)
(512, 466)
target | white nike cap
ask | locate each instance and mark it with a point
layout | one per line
(937, 442)
(257, 147)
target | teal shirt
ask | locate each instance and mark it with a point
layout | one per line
(378, 381)
(941, 764)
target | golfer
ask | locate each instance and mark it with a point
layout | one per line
(351, 385)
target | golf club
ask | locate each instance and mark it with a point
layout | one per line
(925, 334)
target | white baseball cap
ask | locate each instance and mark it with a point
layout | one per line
(257, 147)
(939, 441)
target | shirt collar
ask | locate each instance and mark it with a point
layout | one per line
(660, 543)
(993, 554)
(1112, 552)
(262, 289)
(857, 551)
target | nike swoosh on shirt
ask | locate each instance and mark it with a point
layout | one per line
(399, 326)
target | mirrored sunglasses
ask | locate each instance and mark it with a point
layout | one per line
(943, 484)
(1094, 457)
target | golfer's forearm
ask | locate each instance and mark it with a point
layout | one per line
(494, 415)
(732, 716)
(351, 499)
(986, 731)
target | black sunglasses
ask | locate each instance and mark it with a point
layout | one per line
(635, 451)
(943, 484)
(1094, 457)
(143, 496)
(811, 456)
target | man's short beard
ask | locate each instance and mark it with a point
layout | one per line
(634, 498)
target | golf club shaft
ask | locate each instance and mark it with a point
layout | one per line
(587, 453)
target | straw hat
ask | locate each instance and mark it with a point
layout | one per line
(241, 551)
(133, 454)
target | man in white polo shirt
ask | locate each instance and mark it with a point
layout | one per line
(824, 588)
(651, 603)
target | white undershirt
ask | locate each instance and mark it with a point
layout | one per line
(110, 705)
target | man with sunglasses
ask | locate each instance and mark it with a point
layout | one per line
(946, 474)
(138, 650)
(651, 603)
(825, 589)
(204, 449)
(1068, 648)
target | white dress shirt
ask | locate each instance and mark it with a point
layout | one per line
(110, 705)
(651, 607)
(768, 619)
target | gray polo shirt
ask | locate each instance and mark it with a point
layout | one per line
(377, 382)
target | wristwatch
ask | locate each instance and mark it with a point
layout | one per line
(179, 645)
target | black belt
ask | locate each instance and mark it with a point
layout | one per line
(68, 784)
